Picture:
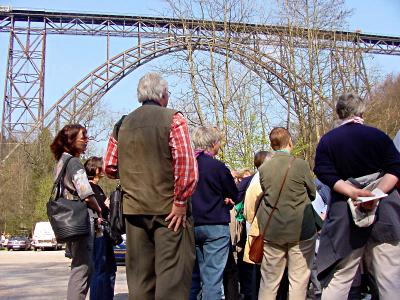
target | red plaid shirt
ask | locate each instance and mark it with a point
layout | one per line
(183, 161)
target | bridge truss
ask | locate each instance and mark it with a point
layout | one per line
(23, 105)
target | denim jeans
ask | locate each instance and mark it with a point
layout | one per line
(103, 280)
(212, 249)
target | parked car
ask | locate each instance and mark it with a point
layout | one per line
(19, 243)
(120, 250)
(44, 238)
(3, 241)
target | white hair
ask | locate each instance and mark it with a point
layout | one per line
(350, 105)
(204, 138)
(151, 87)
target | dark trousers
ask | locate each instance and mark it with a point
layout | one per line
(231, 278)
(103, 278)
(249, 278)
(159, 261)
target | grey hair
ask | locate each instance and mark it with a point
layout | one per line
(151, 87)
(349, 105)
(204, 137)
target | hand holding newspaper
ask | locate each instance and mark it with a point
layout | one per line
(378, 194)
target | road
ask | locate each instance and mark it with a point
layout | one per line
(42, 275)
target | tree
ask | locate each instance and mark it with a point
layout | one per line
(243, 98)
(319, 69)
(383, 110)
(222, 91)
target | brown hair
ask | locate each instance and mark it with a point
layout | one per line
(279, 138)
(65, 140)
(92, 165)
(260, 156)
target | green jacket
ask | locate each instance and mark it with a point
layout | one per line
(293, 220)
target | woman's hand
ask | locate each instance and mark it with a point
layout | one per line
(355, 193)
(229, 201)
(350, 191)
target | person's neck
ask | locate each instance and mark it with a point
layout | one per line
(151, 102)
(284, 150)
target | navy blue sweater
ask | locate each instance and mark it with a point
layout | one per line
(354, 150)
(215, 184)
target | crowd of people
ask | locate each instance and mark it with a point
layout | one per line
(191, 221)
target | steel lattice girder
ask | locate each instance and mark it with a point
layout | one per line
(158, 27)
(24, 89)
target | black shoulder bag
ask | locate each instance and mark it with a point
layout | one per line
(117, 222)
(68, 218)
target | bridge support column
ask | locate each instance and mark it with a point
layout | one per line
(23, 103)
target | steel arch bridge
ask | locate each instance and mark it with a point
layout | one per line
(24, 92)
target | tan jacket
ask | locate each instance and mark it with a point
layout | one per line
(252, 197)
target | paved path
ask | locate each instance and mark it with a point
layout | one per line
(42, 275)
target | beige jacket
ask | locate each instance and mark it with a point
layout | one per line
(253, 195)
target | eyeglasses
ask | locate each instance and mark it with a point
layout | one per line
(169, 94)
(85, 138)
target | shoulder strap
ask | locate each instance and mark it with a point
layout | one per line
(59, 177)
(118, 126)
(279, 195)
(62, 172)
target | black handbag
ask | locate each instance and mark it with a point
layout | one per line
(68, 218)
(117, 222)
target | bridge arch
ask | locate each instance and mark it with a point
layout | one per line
(74, 104)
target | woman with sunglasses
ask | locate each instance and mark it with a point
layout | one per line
(70, 142)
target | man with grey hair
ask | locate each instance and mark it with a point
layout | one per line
(151, 152)
(350, 151)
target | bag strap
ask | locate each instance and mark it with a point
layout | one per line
(279, 195)
(61, 174)
(118, 126)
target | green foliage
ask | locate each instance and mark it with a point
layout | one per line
(42, 193)
(25, 187)
(299, 147)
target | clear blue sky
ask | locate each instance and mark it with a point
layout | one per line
(69, 58)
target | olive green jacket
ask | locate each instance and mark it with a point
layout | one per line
(293, 220)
